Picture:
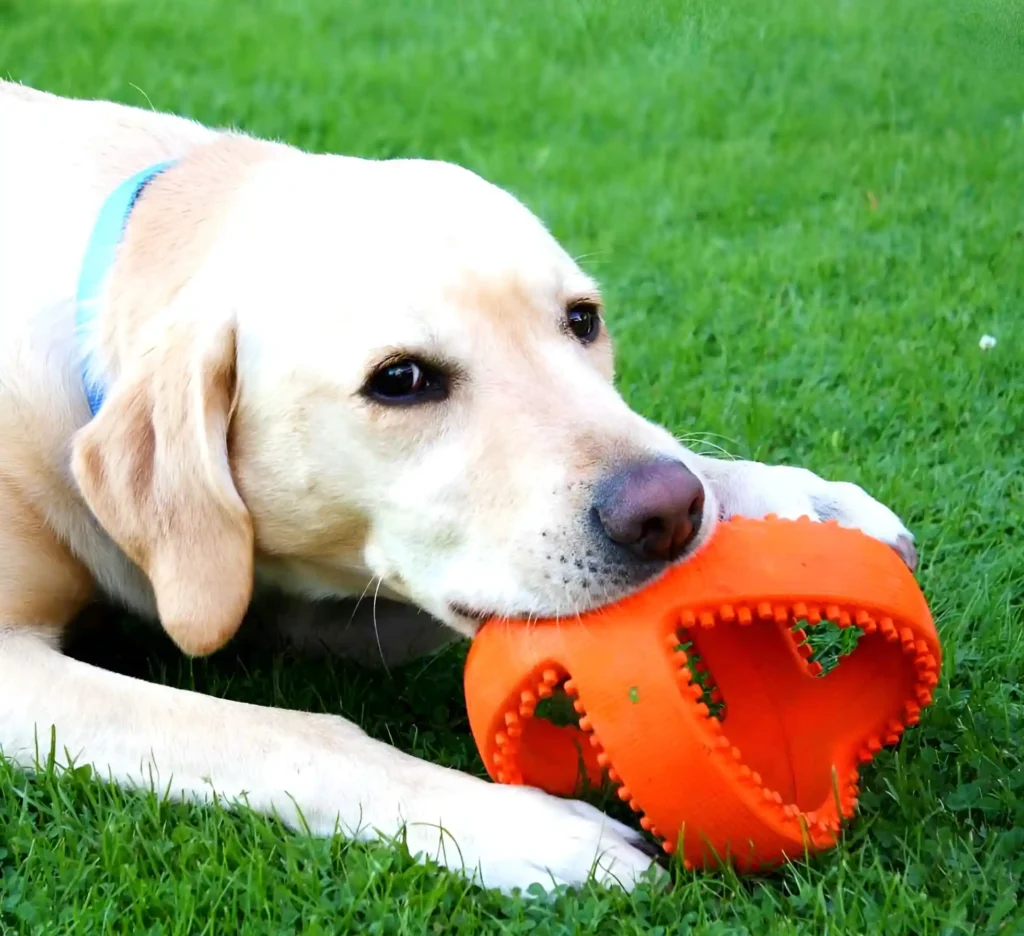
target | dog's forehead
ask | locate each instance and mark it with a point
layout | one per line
(426, 217)
(407, 252)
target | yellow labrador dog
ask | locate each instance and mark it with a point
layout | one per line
(226, 363)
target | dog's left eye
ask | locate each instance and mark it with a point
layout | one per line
(584, 320)
(407, 381)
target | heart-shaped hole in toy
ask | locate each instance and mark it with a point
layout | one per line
(790, 716)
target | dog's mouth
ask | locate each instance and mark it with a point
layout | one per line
(476, 615)
(480, 616)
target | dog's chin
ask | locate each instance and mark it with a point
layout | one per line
(474, 615)
(468, 620)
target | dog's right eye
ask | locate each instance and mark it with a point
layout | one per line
(407, 381)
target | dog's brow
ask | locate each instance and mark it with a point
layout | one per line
(430, 352)
(578, 287)
(591, 296)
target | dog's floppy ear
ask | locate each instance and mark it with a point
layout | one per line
(153, 467)
(153, 464)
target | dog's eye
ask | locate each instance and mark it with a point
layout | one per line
(584, 320)
(407, 381)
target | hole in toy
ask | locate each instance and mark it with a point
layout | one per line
(828, 642)
(711, 695)
(558, 709)
(788, 728)
(554, 752)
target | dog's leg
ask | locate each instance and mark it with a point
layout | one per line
(752, 489)
(317, 770)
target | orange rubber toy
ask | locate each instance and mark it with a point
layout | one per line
(775, 770)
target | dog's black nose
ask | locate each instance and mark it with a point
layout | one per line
(654, 508)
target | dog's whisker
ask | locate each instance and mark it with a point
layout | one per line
(352, 616)
(376, 629)
(693, 440)
(594, 253)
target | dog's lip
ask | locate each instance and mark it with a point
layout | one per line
(482, 616)
(473, 614)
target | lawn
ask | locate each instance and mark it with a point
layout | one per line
(805, 214)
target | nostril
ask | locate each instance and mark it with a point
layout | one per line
(652, 526)
(655, 537)
(697, 512)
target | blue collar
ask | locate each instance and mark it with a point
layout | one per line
(99, 257)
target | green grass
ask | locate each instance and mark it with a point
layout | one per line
(805, 214)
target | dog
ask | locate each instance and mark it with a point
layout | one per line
(315, 375)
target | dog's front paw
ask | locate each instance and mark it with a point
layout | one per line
(509, 837)
(751, 489)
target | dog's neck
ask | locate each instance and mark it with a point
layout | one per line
(97, 263)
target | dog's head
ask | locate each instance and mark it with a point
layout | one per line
(383, 373)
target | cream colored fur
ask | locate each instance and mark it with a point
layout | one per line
(256, 288)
